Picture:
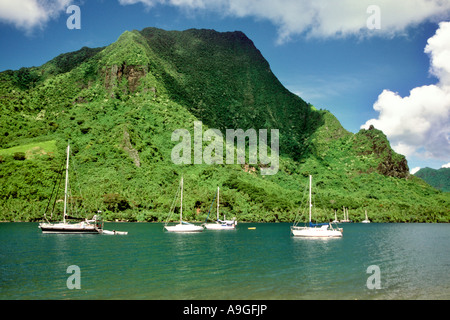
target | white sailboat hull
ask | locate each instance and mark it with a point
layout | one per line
(227, 225)
(311, 232)
(114, 232)
(82, 228)
(184, 228)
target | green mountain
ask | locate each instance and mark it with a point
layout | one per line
(119, 105)
(440, 178)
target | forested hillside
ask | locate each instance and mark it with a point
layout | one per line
(119, 105)
(440, 178)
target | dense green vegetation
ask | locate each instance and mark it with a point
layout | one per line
(440, 178)
(119, 105)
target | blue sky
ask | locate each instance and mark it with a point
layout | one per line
(322, 50)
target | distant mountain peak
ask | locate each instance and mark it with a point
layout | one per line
(438, 178)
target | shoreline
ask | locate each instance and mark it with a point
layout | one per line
(246, 222)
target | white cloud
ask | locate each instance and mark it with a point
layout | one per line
(414, 170)
(438, 47)
(419, 123)
(446, 165)
(320, 18)
(30, 14)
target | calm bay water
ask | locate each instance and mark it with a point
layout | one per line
(265, 263)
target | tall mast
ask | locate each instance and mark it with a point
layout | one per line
(67, 183)
(181, 206)
(310, 180)
(217, 203)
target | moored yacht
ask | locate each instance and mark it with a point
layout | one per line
(183, 226)
(312, 230)
(221, 224)
(92, 226)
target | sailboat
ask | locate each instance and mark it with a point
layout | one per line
(345, 215)
(221, 224)
(366, 220)
(335, 217)
(321, 230)
(92, 226)
(183, 226)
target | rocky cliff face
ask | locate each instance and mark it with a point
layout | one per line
(131, 74)
(390, 163)
(393, 168)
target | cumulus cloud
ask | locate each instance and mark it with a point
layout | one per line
(418, 125)
(320, 18)
(30, 14)
(446, 165)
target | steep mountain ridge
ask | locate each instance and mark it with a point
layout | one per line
(119, 105)
(226, 83)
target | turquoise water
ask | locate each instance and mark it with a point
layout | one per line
(261, 264)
